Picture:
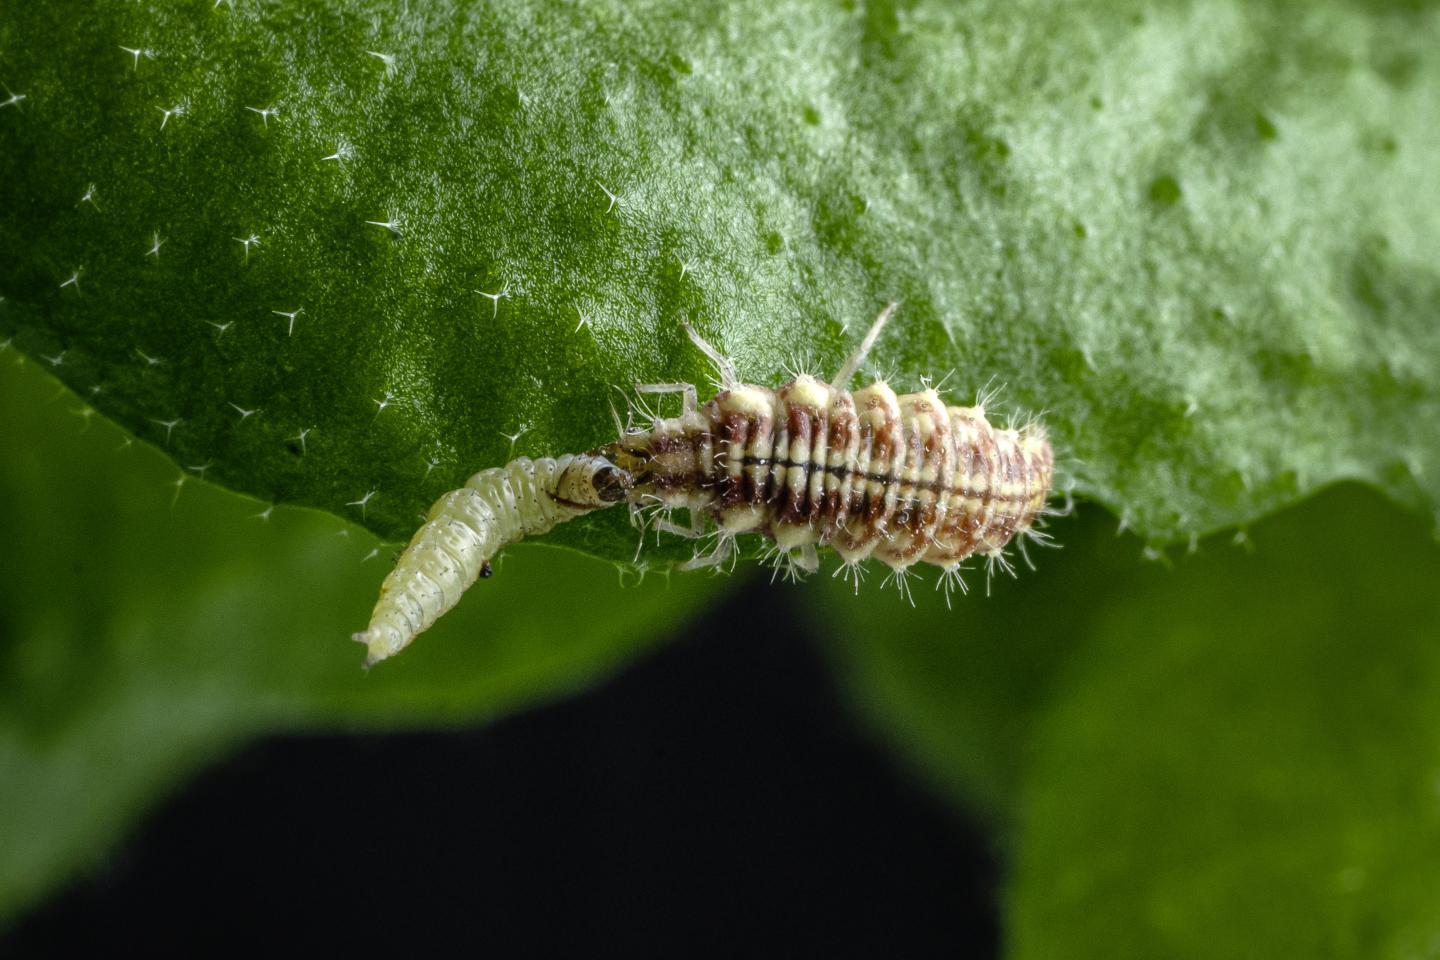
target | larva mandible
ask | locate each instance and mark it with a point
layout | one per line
(906, 479)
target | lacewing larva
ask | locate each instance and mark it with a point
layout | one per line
(905, 479)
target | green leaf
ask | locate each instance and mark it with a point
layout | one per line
(147, 628)
(1201, 237)
(1234, 756)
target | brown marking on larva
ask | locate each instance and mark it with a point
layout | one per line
(880, 426)
(794, 508)
(919, 471)
(906, 479)
(843, 444)
(759, 453)
(931, 473)
(674, 463)
(940, 455)
(734, 431)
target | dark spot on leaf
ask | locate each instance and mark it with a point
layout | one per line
(1390, 292)
(500, 104)
(882, 26)
(988, 155)
(1264, 128)
(988, 147)
(812, 116)
(1399, 474)
(1165, 191)
(681, 65)
(774, 242)
(1285, 365)
(1080, 230)
(1397, 68)
(837, 223)
(1096, 103)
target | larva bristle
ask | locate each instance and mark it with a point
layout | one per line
(950, 579)
(851, 571)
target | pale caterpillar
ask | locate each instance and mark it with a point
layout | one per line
(905, 479)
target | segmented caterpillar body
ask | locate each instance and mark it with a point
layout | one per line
(905, 479)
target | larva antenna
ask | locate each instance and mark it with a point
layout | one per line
(858, 357)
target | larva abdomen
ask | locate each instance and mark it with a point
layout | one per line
(903, 478)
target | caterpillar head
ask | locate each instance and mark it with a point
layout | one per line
(592, 481)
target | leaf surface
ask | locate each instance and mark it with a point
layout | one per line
(1201, 238)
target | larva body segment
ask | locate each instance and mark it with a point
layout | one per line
(905, 479)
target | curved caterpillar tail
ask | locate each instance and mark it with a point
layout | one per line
(468, 526)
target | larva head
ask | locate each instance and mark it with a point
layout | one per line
(630, 456)
(663, 455)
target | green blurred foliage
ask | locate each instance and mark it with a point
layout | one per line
(147, 627)
(1234, 753)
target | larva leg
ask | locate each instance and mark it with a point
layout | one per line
(466, 527)
(793, 563)
(692, 532)
(842, 377)
(724, 550)
(689, 404)
(723, 364)
(808, 559)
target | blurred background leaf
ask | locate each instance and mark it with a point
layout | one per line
(146, 628)
(1230, 754)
